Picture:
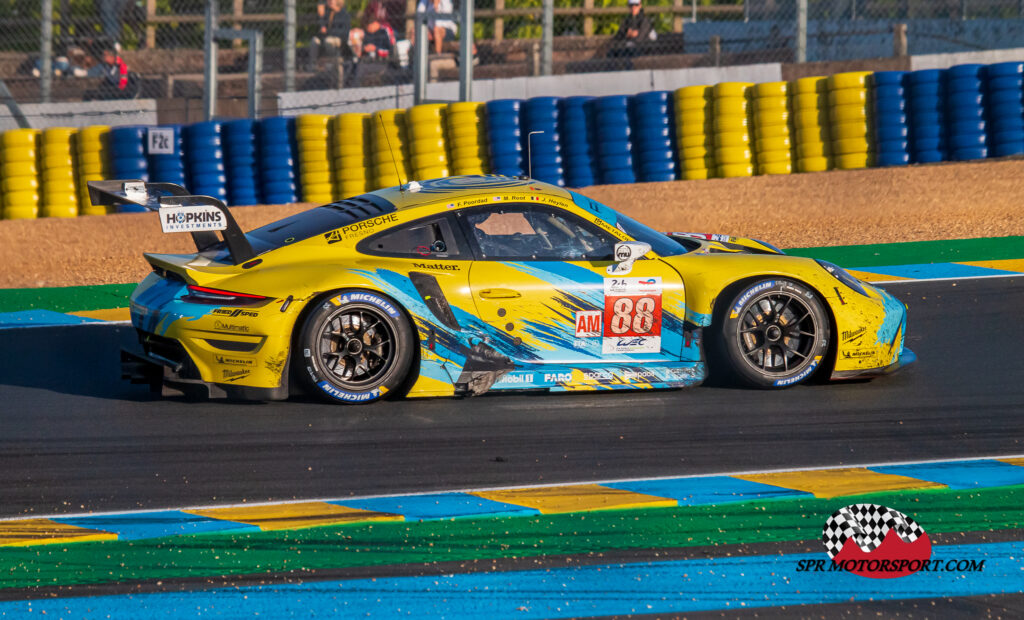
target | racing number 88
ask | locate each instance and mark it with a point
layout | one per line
(639, 317)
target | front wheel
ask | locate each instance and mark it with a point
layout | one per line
(774, 334)
(356, 347)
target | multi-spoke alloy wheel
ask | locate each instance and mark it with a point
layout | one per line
(775, 333)
(356, 346)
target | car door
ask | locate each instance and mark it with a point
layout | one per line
(540, 277)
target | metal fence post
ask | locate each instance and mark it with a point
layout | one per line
(419, 60)
(255, 74)
(715, 49)
(46, 52)
(466, 53)
(899, 40)
(801, 31)
(963, 9)
(210, 64)
(290, 20)
(548, 37)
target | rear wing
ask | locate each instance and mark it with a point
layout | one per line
(179, 211)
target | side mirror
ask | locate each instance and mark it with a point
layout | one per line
(627, 253)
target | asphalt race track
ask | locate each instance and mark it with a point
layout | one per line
(75, 438)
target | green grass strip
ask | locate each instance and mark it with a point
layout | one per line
(917, 252)
(67, 298)
(213, 555)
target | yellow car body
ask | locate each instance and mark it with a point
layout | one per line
(522, 321)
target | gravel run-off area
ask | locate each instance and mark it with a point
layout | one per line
(916, 203)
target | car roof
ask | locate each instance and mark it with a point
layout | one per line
(436, 190)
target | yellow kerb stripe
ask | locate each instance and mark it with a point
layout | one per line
(110, 314)
(24, 532)
(1009, 264)
(874, 277)
(1014, 461)
(294, 516)
(838, 482)
(576, 498)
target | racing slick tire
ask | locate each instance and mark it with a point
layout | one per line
(773, 334)
(356, 346)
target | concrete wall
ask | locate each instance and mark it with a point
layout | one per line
(943, 61)
(80, 114)
(612, 83)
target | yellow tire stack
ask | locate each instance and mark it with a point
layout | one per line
(313, 134)
(350, 146)
(851, 123)
(773, 140)
(390, 144)
(811, 124)
(467, 138)
(731, 120)
(93, 165)
(60, 183)
(20, 173)
(695, 132)
(428, 144)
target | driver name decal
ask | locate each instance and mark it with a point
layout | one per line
(632, 315)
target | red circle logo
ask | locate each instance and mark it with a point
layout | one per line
(875, 541)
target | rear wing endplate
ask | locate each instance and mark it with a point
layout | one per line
(153, 196)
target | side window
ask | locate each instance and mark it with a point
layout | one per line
(532, 233)
(433, 239)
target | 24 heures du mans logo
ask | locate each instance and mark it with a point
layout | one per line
(878, 542)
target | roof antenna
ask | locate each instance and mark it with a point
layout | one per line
(529, 153)
(401, 186)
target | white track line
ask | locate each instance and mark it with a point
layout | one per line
(516, 487)
(915, 281)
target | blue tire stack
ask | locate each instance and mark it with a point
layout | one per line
(612, 136)
(205, 159)
(240, 157)
(926, 96)
(504, 135)
(653, 133)
(578, 150)
(1005, 82)
(169, 167)
(965, 112)
(128, 158)
(277, 160)
(543, 149)
(892, 129)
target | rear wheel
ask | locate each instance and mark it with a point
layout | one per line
(357, 346)
(774, 334)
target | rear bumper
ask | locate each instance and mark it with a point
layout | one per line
(906, 358)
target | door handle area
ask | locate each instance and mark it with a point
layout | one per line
(499, 293)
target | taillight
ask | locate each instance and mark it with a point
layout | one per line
(217, 297)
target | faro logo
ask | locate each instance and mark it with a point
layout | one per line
(875, 541)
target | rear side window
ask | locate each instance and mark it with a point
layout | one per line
(432, 238)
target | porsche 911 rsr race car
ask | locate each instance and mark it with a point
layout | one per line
(464, 285)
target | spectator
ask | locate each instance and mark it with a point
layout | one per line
(439, 30)
(117, 82)
(333, 31)
(379, 38)
(635, 27)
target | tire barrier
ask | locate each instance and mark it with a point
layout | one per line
(128, 158)
(613, 139)
(926, 89)
(504, 136)
(850, 120)
(166, 157)
(60, 181)
(543, 149)
(892, 128)
(204, 159)
(652, 116)
(93, 148)
(390, 143)
(467, 138)
(316, 179)
(695, 132)
(1005, 90)
(19, 169)
(732, 112)
(241, 157)
(773, 134)
(278, 156)
(428, 142)
(579, 153)
(966, 122)
(811, 125)
(350, 148)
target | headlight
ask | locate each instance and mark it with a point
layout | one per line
(843, 276)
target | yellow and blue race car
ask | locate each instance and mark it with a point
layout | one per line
(464, 285)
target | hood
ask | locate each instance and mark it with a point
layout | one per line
(708, 243)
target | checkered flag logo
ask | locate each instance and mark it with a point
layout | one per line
(866, 525)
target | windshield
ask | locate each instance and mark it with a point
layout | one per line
(660, 243)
